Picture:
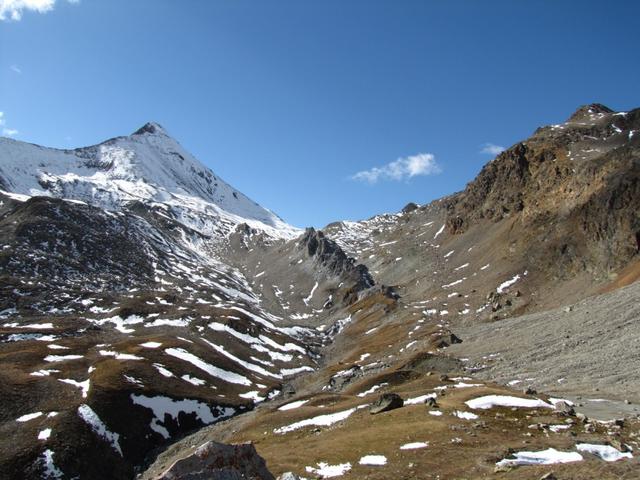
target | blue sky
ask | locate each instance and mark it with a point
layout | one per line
(291, 101)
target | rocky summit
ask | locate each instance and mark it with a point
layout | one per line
(157, 323)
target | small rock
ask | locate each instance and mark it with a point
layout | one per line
(431, 402)
(444, 377)
(386, 402)
(530, 391)
(618, 445)
(288, 476)
(563, 408)
(567, 309)
(582, 417)
(590, 428)
(549, 476)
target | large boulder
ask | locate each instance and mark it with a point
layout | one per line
(217, 461)
(386, 402)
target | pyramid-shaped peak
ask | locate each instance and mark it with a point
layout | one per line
(151, 128)
(589, 112)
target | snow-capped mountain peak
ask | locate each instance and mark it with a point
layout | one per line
(148, 166)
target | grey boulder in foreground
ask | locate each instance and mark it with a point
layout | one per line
(217, 461)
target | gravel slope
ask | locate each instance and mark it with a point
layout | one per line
(590, 349)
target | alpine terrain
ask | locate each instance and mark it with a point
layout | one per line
(155, 323)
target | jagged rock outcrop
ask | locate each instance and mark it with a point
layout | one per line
(332, 259)
(578, 182)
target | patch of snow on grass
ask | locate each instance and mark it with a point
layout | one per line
(465, 415)
(162, 406)
(375, 460)
(61, 358)
(543, 457)
(420, 399)
(503, 286)
(329, 471)
(372, 389)
(28, 416)
(307, 299)
(119, 323)
(163, 371)
(99, 428)
(161, 322)
(490, 401)
(37, 326)
(193, 380)
(83, 386)
(292, 405)
(457, 282)
(225, 375)
(319, 421)
(119, 356)
(467, 385)
(605, 452)
(253, 395)
(50, 469)
(414, 445)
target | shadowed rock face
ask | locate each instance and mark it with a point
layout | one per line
(217, 461)
(331, 258)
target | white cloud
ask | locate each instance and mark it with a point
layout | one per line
(12, 9)
(401, 169)
(492, 149)
(15, 69)
(6, 131)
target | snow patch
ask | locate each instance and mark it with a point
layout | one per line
(320, 421)
(99, 428)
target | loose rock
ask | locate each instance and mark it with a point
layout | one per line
(386, 402)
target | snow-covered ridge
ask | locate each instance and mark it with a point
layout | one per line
(148, 166)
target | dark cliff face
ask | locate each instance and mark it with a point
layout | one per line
(578, 181)
(331, 258)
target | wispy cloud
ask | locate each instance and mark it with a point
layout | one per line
(492, 149)
(15, 69)
(6, 131)
(13, 9)
(401, 169)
